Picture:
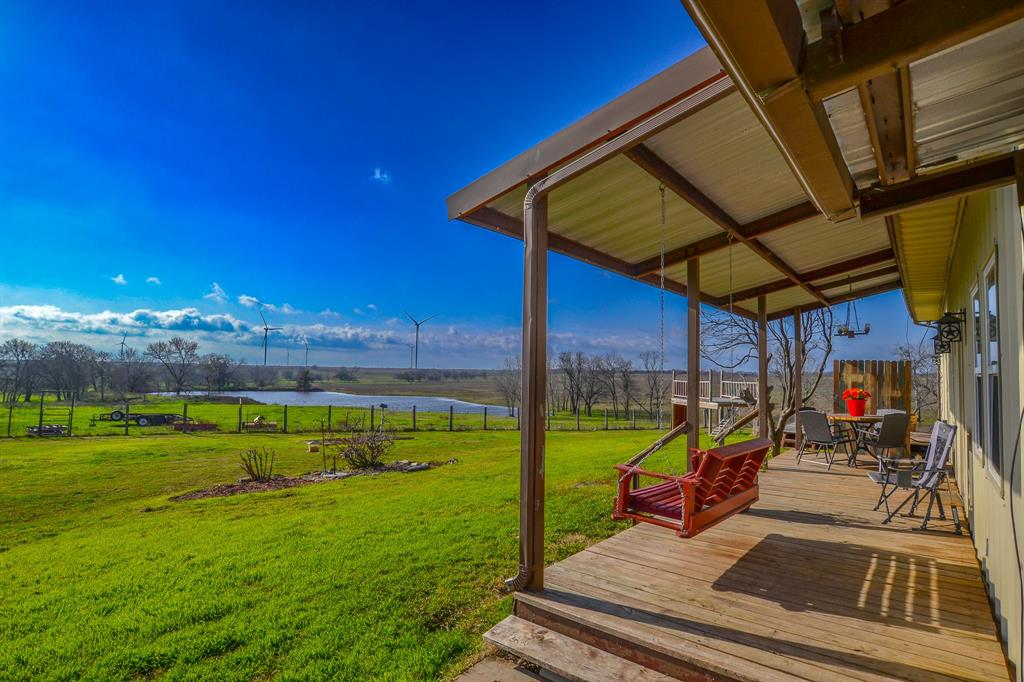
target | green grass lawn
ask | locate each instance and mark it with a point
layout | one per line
(386, 577)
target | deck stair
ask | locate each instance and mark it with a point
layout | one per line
(564, 656)
(724, 427)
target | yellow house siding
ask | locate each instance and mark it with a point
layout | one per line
(991, 225)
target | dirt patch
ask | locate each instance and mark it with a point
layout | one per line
(282, 482)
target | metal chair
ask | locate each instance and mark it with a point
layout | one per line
(924, 477)
(891, 434)
(820, 435)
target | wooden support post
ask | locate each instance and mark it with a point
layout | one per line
(693, 354)
(798, 374)
(286, 419)
(531, 475)
(762, 366)
(485, 418)
(451, 417)
(413, 417)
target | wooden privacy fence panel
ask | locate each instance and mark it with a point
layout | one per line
(888, 381)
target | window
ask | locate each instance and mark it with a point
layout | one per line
(993, 429)
(979, 378)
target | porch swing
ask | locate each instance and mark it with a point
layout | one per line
(722, 481)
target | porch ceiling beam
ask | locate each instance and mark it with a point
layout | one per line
(857, 295)
(882, 98)
(902, 34)
(760, 44)
(822, 273)
(657, 167)
(513, 227)
(973, 177)
(755, 228)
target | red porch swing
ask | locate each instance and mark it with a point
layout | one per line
(722, 481)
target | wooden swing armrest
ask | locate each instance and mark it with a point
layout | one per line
(687, 483)
(626, 469)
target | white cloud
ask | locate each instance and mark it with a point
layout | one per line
(358, 311)
(216, 293)
(153, 280)
(372, 306)
(253, 302)
(248, 301)
(287, 309)
(119, 280)
(381, 176)
(327, 312)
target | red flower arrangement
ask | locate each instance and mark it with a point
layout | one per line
(855, 398)
(855, 394)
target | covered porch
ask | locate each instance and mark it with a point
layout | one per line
(807, 585)
(814, 154)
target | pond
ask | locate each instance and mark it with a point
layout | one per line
(394, 403)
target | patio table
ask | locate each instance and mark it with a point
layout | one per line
(852, 421)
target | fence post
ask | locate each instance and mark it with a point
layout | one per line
(239, 415)
(606, 419)
(126, 416)
(485, 418)
(413, 417)
(371, 417)
(184, 417)
(634, 420)
(548, 419)
(577, 419)
(71, 416)
(10, 416)
(451, 417)
(519, 420)
(42, 398)
(286, 419)
(329, 417)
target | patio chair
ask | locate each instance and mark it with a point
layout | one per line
(890, 434)
(821, 436)
(923, 478)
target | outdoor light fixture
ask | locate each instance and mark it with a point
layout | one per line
(942, 346)
(950, 327)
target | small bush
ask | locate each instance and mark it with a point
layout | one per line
(258, 463)
(367, 450)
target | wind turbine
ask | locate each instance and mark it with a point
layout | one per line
(416, 348)
(266, 332)
(123, 339)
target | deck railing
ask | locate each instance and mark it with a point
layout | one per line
(726, 388)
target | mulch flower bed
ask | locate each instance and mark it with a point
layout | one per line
(282, 482)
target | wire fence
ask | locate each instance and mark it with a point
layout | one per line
(49, 417)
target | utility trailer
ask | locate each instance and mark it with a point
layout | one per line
(144, 418)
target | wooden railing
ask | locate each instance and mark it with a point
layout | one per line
(679, 388)
(734, 389)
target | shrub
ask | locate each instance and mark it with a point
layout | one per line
(258, 463)
(366, 450)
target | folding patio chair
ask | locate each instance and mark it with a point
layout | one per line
(820, 435)
(922, 478)
(891, 434)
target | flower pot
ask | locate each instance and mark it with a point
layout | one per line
(855, 407)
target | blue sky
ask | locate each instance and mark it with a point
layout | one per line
(299, 154)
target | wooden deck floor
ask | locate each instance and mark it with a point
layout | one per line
(808, 585)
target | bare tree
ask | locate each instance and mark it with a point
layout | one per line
(66, 367)
(131, 374)
(17, 369)
(572, 366)
(510, 383)
(627, 390)
(925, 377)
(607, 370)
(730, 341)
(178, 356)
(218, 371)
(101, 373)
(654, 381)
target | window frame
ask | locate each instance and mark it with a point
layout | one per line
(977, 364)
(992, 445)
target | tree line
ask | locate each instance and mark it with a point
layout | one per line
(577, 382)
(65, 368)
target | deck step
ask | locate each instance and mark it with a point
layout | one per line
(565, 656)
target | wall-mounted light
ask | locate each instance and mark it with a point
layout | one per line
(942, 346)
(950, 327)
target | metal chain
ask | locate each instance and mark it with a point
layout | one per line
(661, 285)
